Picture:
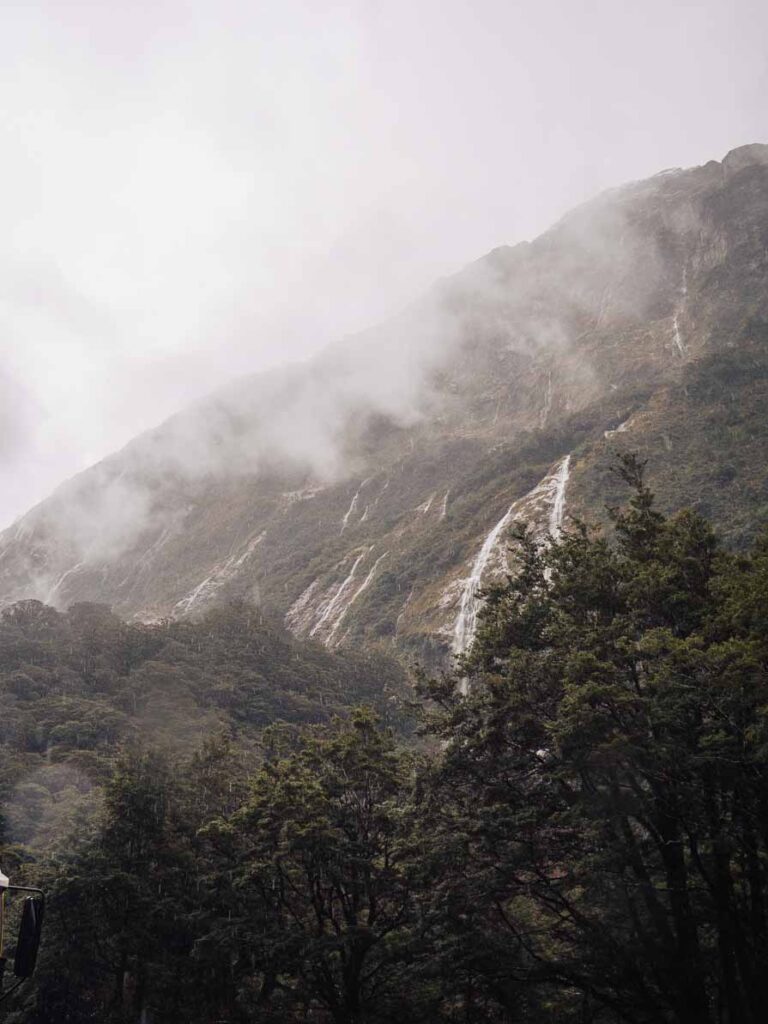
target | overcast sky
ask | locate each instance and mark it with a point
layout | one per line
(192, 190)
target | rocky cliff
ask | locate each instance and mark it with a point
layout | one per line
(367, 493)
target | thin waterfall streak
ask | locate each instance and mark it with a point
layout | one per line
(333, 602)
(363, 586)
(557, 514)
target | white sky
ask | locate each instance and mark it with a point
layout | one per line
(194, 190)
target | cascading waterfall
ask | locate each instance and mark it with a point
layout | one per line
(469, 607)
(550, 493)
(557, 515)
(338, 595)
(221, 575)
(676, 333)
(353, 505)
(320, 614)
(677, 336)
(345, 608)
(60, 582)
(427, 505)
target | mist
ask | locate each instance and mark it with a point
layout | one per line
(304, 426)
(193, 194)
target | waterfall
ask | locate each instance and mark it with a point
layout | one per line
(353, 505)
(676, 334)
(60, 582)
(319, 613)
(470, 604)
(222, 574)
(345, 608)
(547, 496)
(338, 594)
(557, 514)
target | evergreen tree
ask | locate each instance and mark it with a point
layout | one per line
(608, 770)
(324, 880)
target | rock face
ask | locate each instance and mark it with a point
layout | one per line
(366, 494)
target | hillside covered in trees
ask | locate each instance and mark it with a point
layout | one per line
(79, 685)
(578, 833)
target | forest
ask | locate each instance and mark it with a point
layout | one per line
(570, 826)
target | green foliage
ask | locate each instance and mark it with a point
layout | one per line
(324, 880)
(705, 437)
(609, 770)
(586, 842)
(74, 686)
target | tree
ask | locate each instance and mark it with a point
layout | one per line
(323, 878)
(609, 769)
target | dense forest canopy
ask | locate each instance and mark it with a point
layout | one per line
(578, 833)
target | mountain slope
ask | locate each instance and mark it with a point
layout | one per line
(356, 494)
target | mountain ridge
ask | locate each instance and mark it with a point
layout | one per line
(375, 472)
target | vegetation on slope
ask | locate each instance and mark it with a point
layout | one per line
(587, 841)
(705, 436)
(75, 687)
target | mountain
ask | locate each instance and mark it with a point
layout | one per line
(363, 496)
